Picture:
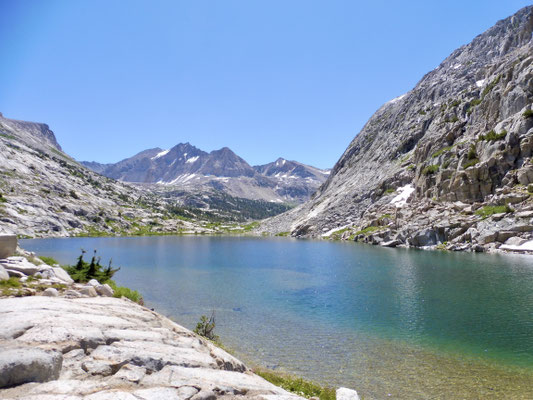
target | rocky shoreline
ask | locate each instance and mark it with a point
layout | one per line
(60, 340)
(107, 348)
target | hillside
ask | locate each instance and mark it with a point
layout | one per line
(447, 164)
(44, 192)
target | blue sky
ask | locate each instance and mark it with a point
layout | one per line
(296, 79)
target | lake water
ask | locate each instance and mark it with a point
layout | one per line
(391, 323)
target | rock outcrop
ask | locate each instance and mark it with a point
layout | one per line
(448, 163)
(106, 348)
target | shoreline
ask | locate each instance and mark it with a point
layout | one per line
(438, 247)
(410, 359)
(118, 349)
(52, 284)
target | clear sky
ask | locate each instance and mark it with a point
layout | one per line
(267, 78)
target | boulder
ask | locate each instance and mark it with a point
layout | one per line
(346, 394)
(51, 292)
(4, 275)
(61, 274)
(8, 245)
(93, 282)
(20, 264)
(55, 274)
(525, 175)
(504, 235)
(15, 274)
(521, 228)
(88, 291)
(515, 241)
(105, 290)
(425, 237)
(391, 243)
(72, 293)
(524, 214)
(25, 364)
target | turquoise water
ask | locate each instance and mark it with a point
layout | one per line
(391, 323)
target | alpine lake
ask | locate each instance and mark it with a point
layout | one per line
(390, 323)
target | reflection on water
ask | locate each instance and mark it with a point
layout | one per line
(404, 323)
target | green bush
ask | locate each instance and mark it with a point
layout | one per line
(206, 327)
(528, 114)
(430, 169)
(298, 386)
(83, 272)
(493, 136)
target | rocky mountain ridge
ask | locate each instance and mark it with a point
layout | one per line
(195, 171)
(448, 164)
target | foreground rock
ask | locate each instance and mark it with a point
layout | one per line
(21, 365)
(107, 348)
(346, 394)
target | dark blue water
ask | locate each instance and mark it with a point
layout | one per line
(385, 321)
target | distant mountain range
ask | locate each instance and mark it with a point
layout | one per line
(188, 168)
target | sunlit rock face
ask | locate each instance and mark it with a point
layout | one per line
(462, 139)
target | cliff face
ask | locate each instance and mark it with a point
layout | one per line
(463, 134)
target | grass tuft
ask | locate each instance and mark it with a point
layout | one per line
(48, 260)
(121, 291)
(441, 151)
(297, 386)
(10, 283)
(368, 230)
(493, 136)
(487, 211)
(430, 169)
(471, 163)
